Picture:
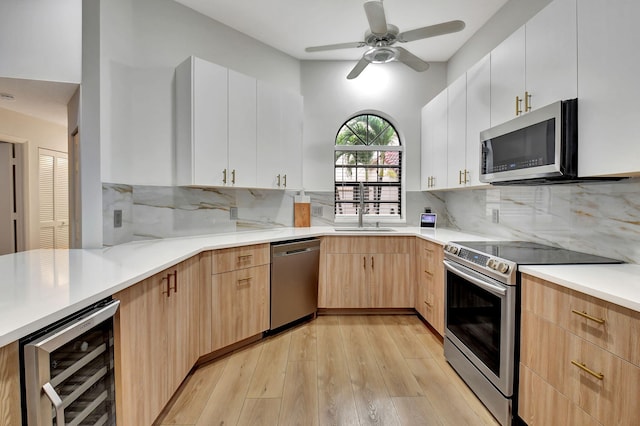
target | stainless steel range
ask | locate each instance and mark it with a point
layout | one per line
(482, 313)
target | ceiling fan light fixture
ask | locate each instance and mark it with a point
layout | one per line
(381, 55)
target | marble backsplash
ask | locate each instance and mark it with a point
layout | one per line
(597, 218)
(163, 212)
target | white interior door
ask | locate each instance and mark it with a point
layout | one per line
(7, 206)
(54, 199)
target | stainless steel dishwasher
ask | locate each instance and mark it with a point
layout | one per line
(294, 280)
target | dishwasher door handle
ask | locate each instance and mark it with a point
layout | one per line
(296, 251)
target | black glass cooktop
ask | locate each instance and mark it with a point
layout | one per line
(528, 253)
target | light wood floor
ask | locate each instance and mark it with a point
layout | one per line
(336, 370)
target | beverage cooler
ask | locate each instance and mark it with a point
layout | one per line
(67, 370)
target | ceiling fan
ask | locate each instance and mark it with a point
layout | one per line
(381, 37)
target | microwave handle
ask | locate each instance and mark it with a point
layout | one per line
(491, 288)
(56, 401)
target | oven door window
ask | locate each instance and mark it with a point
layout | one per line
(473, 316)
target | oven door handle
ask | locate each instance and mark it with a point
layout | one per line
(491, 288)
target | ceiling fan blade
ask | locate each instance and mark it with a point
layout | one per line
(360, 66)
(411, 60)
(335, 46)
(431, 31)
(376, 18)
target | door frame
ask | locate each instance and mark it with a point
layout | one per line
(21, 176)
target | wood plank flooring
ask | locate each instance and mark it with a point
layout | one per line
(335, 370)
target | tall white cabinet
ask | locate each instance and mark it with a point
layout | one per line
(279, 138)
(478, 116)
(201, 123)
(434, 143)
(242, 140)
(609, 88)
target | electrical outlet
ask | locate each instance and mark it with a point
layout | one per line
(117, 218)
(233, 213)
(316, 211)
(495, 216)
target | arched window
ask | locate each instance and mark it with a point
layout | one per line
(368, 169)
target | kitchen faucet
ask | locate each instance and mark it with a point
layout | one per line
(361, 208)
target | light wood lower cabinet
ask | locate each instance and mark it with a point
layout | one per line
(430, 283)
(10, 413)
(156, 341)
(367, 272)
(234, 297)
(569, 373)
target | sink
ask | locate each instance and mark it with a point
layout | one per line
(363, 229)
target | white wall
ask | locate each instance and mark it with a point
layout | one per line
(509, 18)
(142, 41)
(330, 99)
(35, 133)
(40, 39)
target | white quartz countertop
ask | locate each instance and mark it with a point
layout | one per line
(619, 284)
(39, 287)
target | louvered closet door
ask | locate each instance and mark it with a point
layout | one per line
(54, 199)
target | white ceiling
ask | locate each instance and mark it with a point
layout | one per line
(45, 100)
(292, 25)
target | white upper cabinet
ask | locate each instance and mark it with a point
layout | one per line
(478, 116)
(608, 88)
(457, 133)
(201, 123)
(233, 130)
(507, 77)
(242, 130)
(279, 138)
(434, 143)
(537, 64)
(551, 54)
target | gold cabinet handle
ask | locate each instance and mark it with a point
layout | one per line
(466, 176)
(583, 367)
(589, 317)
(364, 262)
(243, 281)
(518, 106)
(372, 265)
(244, 257)
(278, 177)
(527, 101)
(168, 290)
(428, 304)
(224, 176)
(175, 280)
(233, 177)
(459, 177)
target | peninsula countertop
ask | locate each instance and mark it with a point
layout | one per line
(40, 287)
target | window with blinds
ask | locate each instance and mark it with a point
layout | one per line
(368, 168)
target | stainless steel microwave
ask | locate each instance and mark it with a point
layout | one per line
(538, 147)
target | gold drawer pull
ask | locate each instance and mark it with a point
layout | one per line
(244, 257)
(428, 304)
(583, 367)
(589, 317)
(243, 281)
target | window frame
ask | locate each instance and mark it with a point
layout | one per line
(373, 218)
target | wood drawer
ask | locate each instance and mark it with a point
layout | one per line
(549, 407)
(551, 352)
(368, 244)
(232, 259)
(605, 324)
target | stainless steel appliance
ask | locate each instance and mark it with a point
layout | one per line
(541, 145)
(68, 370)
(295, 267)
(482, 314)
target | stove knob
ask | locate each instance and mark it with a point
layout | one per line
(491, 264)
(503, 267)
